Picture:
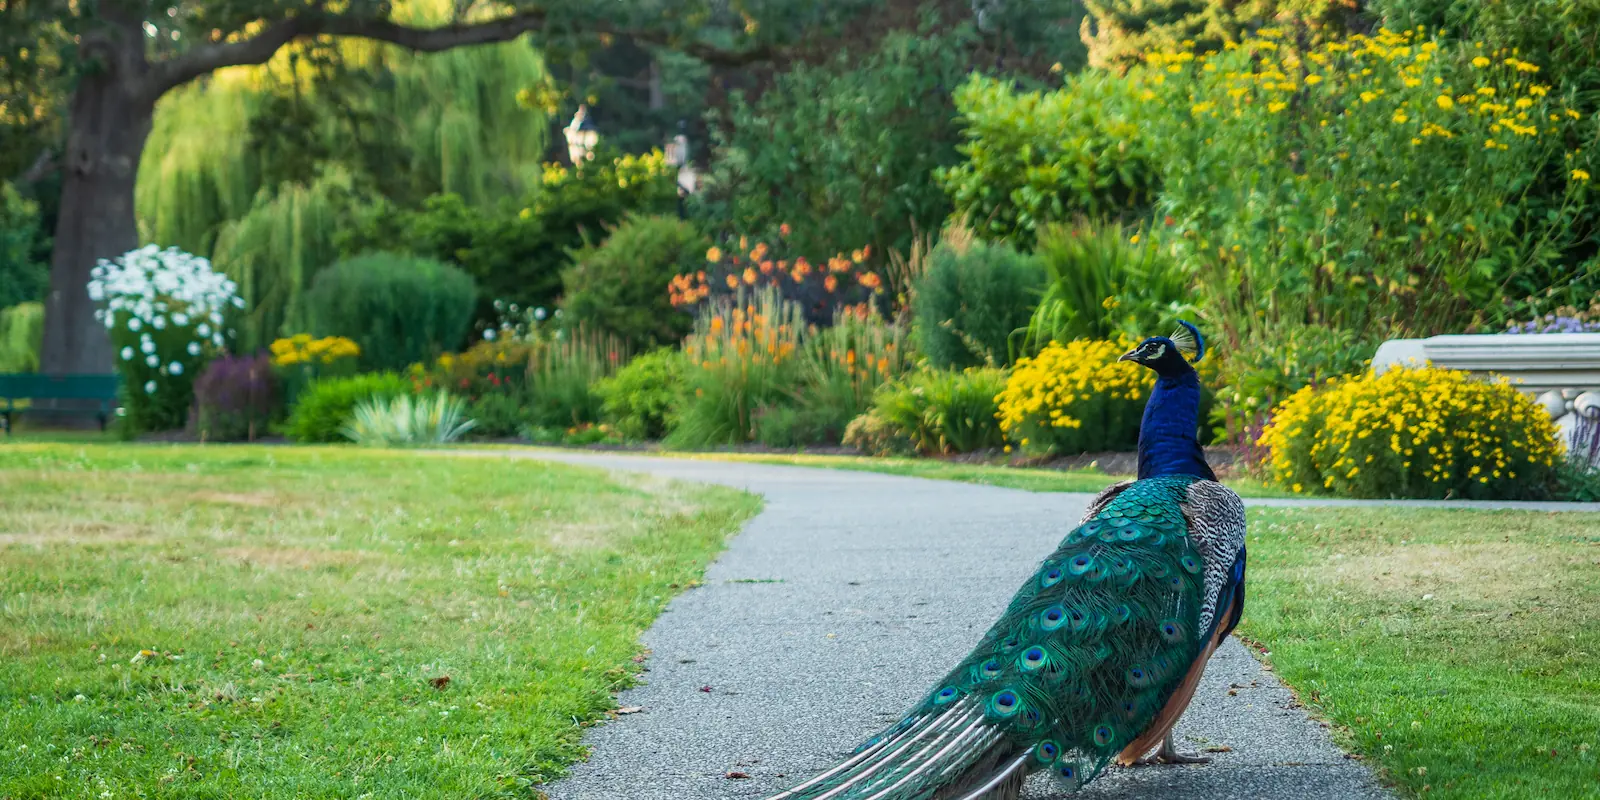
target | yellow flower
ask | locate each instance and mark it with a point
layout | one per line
(1480, 62)
(1445, 102)
(714, 254)
(1580, 175)
(1367, 97)
(1275, 107)
(1486, 91)
(1313, 80)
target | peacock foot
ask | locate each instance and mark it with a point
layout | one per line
(1168, 754)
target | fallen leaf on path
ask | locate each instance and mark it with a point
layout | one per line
(630, 709)
(737, 776)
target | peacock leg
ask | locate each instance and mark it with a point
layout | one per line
(1168, 754)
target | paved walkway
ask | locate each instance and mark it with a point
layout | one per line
(843, 601)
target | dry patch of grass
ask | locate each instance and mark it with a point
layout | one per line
(1457, 649)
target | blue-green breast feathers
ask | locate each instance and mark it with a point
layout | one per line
(1095, 642)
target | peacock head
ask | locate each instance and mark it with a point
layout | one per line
(1172, 355)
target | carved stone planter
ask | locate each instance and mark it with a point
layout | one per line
(1560, 370)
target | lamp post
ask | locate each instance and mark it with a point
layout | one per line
(677, 155)
(581, 136)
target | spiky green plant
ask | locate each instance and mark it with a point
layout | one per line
(407, 421)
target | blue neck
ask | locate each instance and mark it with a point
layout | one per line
(1168, 442)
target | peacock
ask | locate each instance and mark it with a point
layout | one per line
(1101, 649)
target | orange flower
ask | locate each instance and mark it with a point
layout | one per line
(830, 283)
(701, 275)
(766, 268)
(744, 243)
(750, 276)
(716, 324)
(802, 267)
(870, 280)
(733, 282)
(783, 229)
(714, 255)
(850, 357)
(759, 252)
(799, 277)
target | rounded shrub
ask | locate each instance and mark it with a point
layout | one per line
(941, 411)
(621, 285)
(328, 404)
(973, 296)
(1427, 433)
(639, 400)
(399, 309)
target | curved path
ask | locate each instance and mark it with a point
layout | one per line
(842, 601)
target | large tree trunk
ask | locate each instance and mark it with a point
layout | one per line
(108, 128)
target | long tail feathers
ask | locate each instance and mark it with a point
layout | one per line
(954, 753)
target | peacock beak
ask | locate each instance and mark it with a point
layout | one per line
(1131, 355)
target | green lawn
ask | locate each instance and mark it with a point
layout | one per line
(1458, 650)
(321, 622)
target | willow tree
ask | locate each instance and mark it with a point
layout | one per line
(117, 58)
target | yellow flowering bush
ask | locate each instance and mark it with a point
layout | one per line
(1419, 432)
(303, 349)
(1075, 398)
(1376, 184)
(301, 359)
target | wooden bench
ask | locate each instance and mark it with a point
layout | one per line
(91, 389)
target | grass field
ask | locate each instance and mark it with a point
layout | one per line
(322, 623)
(1458, 650)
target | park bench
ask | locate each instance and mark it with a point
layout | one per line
(87, 390)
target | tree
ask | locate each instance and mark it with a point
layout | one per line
(114, 59)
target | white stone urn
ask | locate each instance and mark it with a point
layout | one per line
(1560, 370)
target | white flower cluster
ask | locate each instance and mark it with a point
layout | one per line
(150, 289)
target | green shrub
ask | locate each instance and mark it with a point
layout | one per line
(639, 400)
(401, 310)
(973, 296)
(1039, 157)
(1426, 432)
(872, 434)
(517, 251)
(621, 286)
(498, 414)
(24, 271)
(21, 334)
(327, 405)
(1101, 283)
(944, 411)
(844, 152)
(406, 420)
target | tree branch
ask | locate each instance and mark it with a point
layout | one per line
(166, 75)
(43, 165)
